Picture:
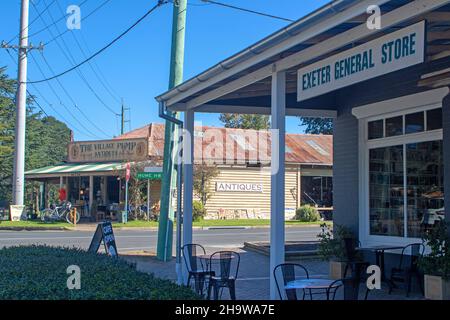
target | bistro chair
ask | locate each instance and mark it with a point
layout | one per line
(407, 268)
(197, 269)
(289, 272)
(224, 266)
(350, 288)
(354, 262)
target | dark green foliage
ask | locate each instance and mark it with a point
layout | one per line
(203, 176)
(437, 262)
(245, 121)
(46, 138)
(307, 213)
(317, 125)
(332, 242)
(39, 273)
(198, 211)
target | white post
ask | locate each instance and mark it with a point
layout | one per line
(188, 158)
(91, 193)
(21, 100)
(278, 110)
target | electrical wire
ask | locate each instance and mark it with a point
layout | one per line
(160, 3)
(247, 10)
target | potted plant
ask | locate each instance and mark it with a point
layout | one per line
(335, 247)
(436, 264)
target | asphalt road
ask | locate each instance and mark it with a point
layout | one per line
(130, 240)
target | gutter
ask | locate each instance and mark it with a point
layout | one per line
(263, 45)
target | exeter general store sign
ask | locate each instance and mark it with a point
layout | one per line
(108, 150)
(395, 51)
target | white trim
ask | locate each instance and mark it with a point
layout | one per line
(399, 106)
(427, 98)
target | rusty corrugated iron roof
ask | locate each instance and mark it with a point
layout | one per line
(238, 145)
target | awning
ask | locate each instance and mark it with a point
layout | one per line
(74, 168)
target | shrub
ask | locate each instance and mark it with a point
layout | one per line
(332, 242)
(437, 262)
(39, 272)
(198, 211)
(307, 213)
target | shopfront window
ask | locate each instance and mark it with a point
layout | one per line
(406, 179)
(317, 191)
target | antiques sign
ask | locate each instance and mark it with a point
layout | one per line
(108, 150)
(238, 187)
(392, 52)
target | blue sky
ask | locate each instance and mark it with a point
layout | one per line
(136, 67)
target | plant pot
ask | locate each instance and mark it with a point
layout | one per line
(337, 270)
(436, 288)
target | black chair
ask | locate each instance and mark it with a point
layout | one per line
(198, 270)
(350, 288)
(290, 272)
(407, 268)
(353, 258)
(224, 268)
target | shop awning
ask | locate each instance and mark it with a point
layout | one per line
(74, 168)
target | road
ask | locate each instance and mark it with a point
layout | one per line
(130, 240)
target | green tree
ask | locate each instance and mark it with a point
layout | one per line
(317, 125)
(203, 175)
(46, 138)
(245, 121)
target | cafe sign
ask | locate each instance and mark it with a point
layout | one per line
(395, 51)
(238, 187)
(108, 150)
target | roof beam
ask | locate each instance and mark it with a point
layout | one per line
(338, 18)
(390, 19)
(299, 112)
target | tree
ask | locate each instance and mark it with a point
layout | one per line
(245, 121)
(317, 125)
(46, 138)
(203, 175)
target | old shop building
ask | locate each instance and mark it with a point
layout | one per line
(93, 174)
(388, 92)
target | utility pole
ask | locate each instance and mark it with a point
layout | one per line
(169, 182)
(122, 118)
(21, 100)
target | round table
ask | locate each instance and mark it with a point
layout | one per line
(310, 284)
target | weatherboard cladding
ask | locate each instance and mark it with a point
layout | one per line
(301, 148)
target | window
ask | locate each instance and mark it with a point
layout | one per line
(434, 119)
(414, 122)
(376, 129)
(394, 126)
(317, 190)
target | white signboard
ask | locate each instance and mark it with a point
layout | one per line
(238, 187)
(153, 169)
(395, 51)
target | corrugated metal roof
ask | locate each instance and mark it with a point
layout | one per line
(77, 168)
(225, 144)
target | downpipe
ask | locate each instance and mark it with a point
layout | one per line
(180, 124)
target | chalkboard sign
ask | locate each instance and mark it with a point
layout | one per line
(105, 233)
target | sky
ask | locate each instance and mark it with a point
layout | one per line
(136, 68)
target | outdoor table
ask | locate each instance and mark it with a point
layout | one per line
(379, 255)
(310, 284)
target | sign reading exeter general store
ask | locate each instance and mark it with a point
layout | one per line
(108, 150)
(395, 51)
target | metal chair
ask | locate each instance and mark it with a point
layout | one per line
(353, 260)
(407, 267)
(196, 268)
(224, 268)
(290, 272)
(350, 288)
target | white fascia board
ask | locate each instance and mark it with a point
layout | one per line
(402, 14)
(357, 9)
(427, 98)
(300, 112)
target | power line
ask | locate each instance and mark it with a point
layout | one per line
(160, 3)
(248, 10)
(89, 63)
(71, 60)
(82, 19)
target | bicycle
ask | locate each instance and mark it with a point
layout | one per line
(60, 213)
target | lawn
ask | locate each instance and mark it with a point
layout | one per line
(33, 224)
(40, 273)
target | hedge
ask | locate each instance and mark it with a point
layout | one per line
(39, 273)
